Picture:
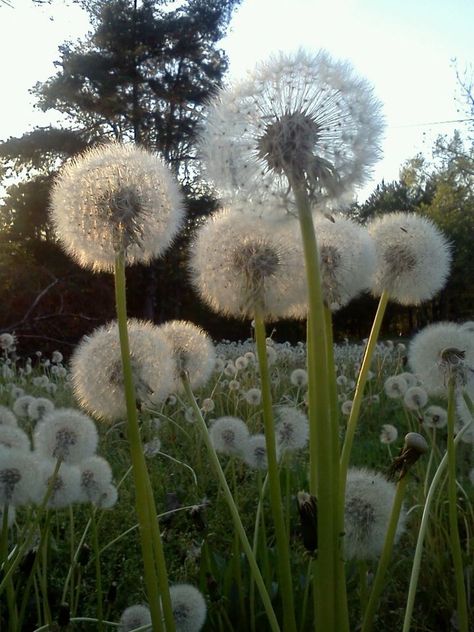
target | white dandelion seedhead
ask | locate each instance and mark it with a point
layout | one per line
(303, 114)
(108, 497)
(116, 198)
(15, 438)
(415, 398)
(242, 265)
(96, 368)
(395, 386)
(65, 484)
(66, 434)
(253, 396)
(347, 255)
(291, 428)
(19, 480)
(368, 505)
(189, 608)
(441, 352)
(39, 407)
(346, 407)
(7, 341)
(7, 417)
(413, 257)
(134, 617)
(191, 352)
(435, 417)
(207, 405)
(388, 434)
(255, 452)
(95, 477)
(229, 435)
(299, 377)
(20, 406)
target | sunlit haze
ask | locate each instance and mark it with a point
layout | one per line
(405, 48)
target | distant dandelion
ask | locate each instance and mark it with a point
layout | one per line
(255, 452)
(369, 500)
(229, 435)
(66, 434)
(65, 485)
(134, 617)
(413, 257)
(415, 398)
(7, 417)
(40, 407)
(388, 434)
(253, 396)
(207, 405)
(115, 198)
(435, 417)
(19, 482)
(95, 477)
(291, 428)
(395, 387)
(299, 377)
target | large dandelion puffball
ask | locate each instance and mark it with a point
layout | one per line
(413, 258)
(96, 368)
(116, 198)
(242, 265)
(368, 505)
(303, 114)
(439, 352)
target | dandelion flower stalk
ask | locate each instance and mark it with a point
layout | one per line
(274, 480)
(453, 515)
(232, 507)
(154, 586)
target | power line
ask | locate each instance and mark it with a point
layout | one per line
(465, 120)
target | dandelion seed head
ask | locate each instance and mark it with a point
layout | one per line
(66, 485)
(346, 407)
(253, 396)
(39, 407)
(413, 257)
(115, 198)
(18, 477)
(435, 417)
(134, 617)
(395, 386)
(299, 377)
(229, 435)
(291, 428)
(255, 452)
(368, 505)
(7, 417)
(189, 608)
(388, 434)
(66, 434)
(415, 398)
(14, 437)
(95, 476)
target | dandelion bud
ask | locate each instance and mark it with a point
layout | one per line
(308, 510)
(415, 446)
(115, 198)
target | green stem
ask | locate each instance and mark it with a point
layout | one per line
(453, 516)
(282, 542)
(11, 598)
(256, 533)
(322, 482)
(378, 584)
(98, 574)
(415, 571)
(140, 474)
(232, 507)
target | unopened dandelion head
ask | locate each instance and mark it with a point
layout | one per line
(96, 368)
(116, 198)
(66, 434)
(440, 353)
(243, 265)
(296, 116)
(368, 505)
(191, 352)
(189, 608)
(229, 435)
(413, 257)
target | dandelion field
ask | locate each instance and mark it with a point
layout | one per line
(200, 546)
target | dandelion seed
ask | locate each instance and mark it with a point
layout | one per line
(413, 257)
(409, 378)
(66, 434)
(234, 385)
(388, 434)
(368, 505)
(301, 113)
(415, 398)
(241, 363)
(7, 341)
(115, 198)
(189, 608)
(229, 435)
(435, 417)
(56, 357)
(134, 617)
(101, 390)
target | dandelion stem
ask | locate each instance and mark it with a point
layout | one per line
(322, 482)
(384, 560)
(415, 571)
(453, 515)
(282, 541)
(140, 473)
(232, 507)
(98, 574)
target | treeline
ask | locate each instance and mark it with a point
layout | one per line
(144, 74)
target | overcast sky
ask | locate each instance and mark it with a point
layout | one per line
(404, 47)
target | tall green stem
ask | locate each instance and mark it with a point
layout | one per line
(140, 474)
(453, 516)
(378, 584)
(267, 604)
(282, 542)
(321, 451)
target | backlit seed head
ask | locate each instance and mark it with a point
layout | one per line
(134, 617)
(66, 434)
(189, 608)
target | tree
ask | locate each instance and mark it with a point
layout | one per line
(143, 74)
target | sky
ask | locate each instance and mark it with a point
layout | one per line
(405, 48)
